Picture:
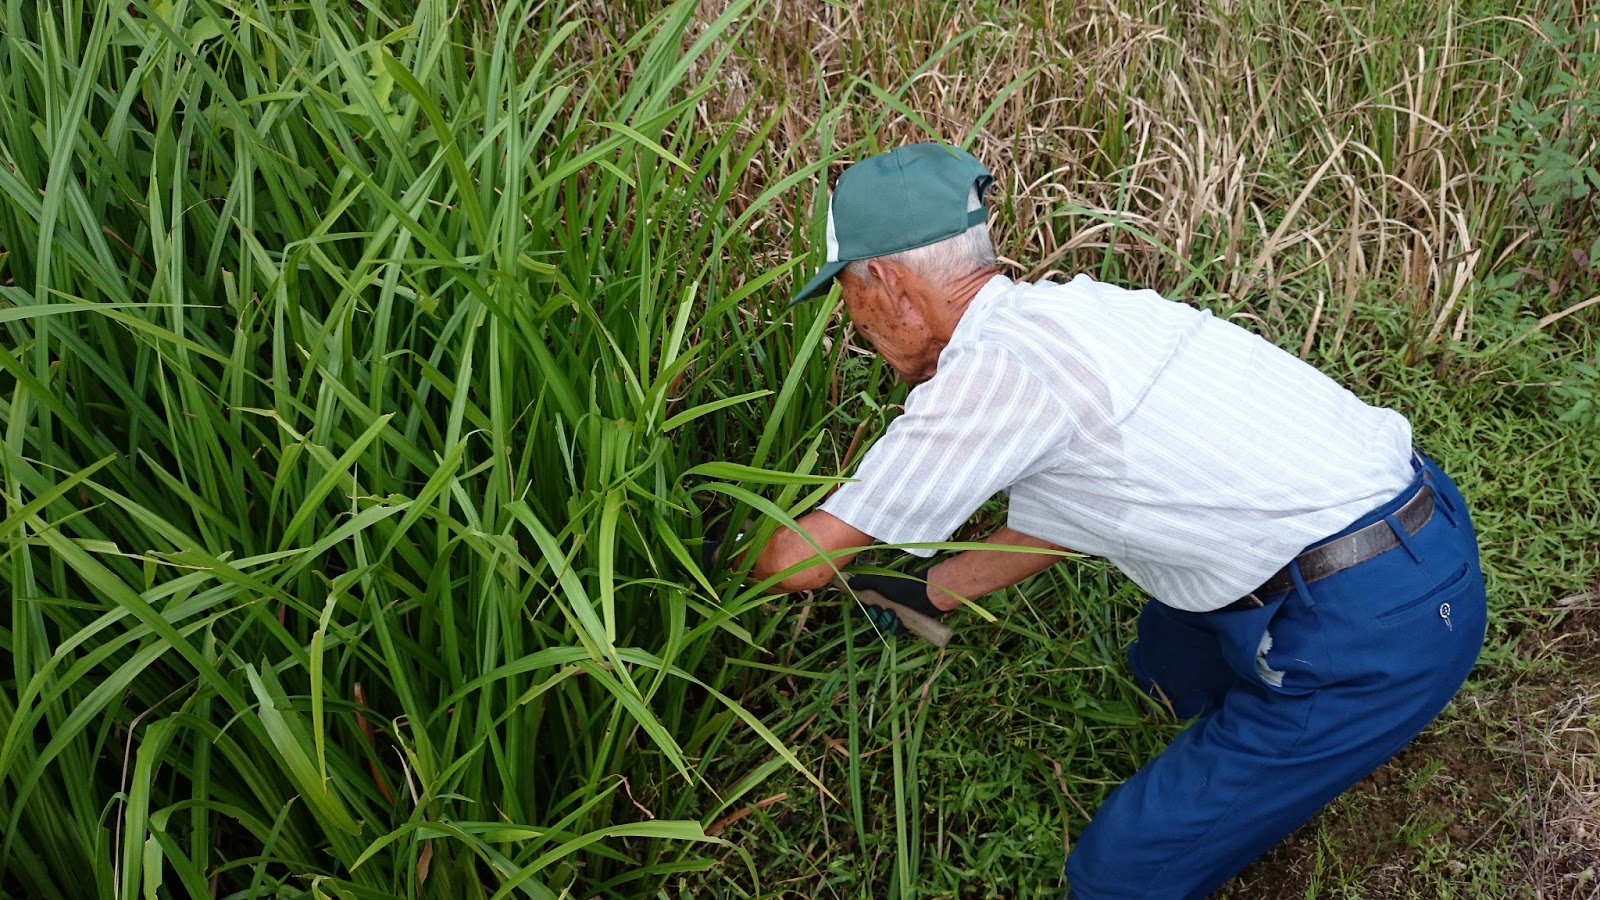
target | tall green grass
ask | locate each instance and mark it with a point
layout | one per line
(371, 370)
(351, 523)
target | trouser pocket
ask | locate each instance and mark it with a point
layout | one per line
(1252, 639)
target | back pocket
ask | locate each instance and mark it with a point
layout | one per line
(1434, 602)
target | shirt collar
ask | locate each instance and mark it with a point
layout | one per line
(977, 311)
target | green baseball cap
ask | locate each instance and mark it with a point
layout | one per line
(912, 196)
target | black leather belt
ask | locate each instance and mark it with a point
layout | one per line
(1342, 553)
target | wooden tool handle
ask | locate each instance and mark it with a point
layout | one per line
(929, 629)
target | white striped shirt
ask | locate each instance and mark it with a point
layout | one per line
(1195, 456)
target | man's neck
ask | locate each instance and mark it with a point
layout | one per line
(946, 312)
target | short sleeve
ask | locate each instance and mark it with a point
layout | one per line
(980, 425)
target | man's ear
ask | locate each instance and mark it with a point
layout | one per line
(893, 279)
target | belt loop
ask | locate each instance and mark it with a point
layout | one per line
(1441, 498)
(1300, 583)
(1444, 507)
(1404, 537)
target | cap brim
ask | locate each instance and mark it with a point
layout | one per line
(819, 282)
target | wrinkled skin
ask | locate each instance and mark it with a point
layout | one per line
(906, 318)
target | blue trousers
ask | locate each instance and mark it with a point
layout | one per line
(1296, 701)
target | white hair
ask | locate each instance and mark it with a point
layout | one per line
(949, 259)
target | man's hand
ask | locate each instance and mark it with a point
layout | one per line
(788, 548)
(909, 590)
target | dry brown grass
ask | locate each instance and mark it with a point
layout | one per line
(1558, 751)
(1286, 165)
(1569, 827)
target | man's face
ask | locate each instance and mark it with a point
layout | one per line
(882, 312)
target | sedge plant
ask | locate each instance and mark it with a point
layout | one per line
(357, 366)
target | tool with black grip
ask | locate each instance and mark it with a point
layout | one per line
(926, 627)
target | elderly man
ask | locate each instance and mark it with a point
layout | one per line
(1316, 592)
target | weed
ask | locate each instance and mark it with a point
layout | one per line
(371, 371)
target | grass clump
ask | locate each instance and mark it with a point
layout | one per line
(352, 360)
(370, 370)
